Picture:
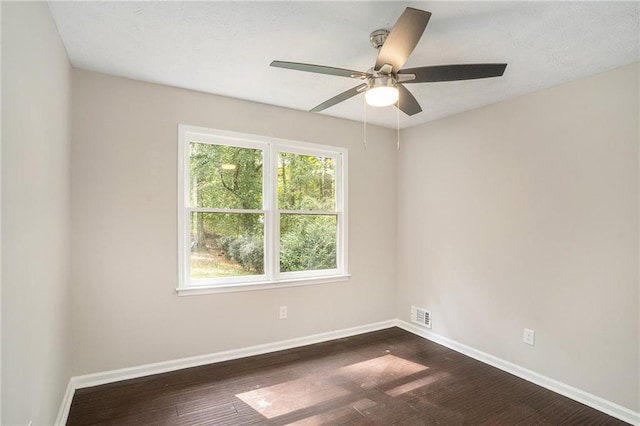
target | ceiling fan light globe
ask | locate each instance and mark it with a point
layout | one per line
(381, 96)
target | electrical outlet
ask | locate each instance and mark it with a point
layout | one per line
(283, 312)
(529, 337)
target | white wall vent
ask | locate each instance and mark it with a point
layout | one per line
(421, 316)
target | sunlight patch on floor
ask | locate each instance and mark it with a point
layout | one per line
(283, 398)
(415, 384)
(291, 396)
(377, 371)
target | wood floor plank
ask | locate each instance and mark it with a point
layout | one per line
(381, 378)
(514, 414)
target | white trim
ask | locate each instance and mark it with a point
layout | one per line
(569, 391)
(183, 190)
(311, 212)
(270, 147)
(208, 133)
(261, 285)
(65, 406)
(210, 210)
(195, 361)
(96, 379)
(342, 175)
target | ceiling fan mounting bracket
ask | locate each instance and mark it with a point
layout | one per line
(378, 37)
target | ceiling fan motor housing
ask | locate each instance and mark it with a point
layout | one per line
(381, 80)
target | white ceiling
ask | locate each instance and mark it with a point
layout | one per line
(225, 47)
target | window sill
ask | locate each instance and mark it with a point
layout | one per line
(263, 285)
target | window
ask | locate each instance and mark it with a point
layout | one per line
(257, 212)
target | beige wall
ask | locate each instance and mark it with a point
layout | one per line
(124, 159)
(520, 214)
(525, 214)
(36, 327)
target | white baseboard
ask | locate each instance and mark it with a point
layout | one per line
(63, 412)
(583, 397)
(88, 380)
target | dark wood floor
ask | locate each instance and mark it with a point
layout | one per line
(382, 378)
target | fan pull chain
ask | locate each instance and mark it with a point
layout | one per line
(398, 128)
(364, 140)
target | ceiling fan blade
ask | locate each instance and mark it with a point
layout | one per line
(453, 72)
(320, 69)
(407, 102)
(341, 97)
(402, 39)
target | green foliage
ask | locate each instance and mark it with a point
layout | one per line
(307, 242)
(305, 182)
(227, 177)
(248, 252)
(224, 243)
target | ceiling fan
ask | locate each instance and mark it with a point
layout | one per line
(384, 83)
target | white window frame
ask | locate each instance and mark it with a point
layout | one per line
(271, 147)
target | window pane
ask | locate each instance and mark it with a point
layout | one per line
(306, 182)
(226, 244)
(225, 177)
(308, 242)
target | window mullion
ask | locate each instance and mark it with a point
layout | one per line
(271, 202)
(217, 210)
